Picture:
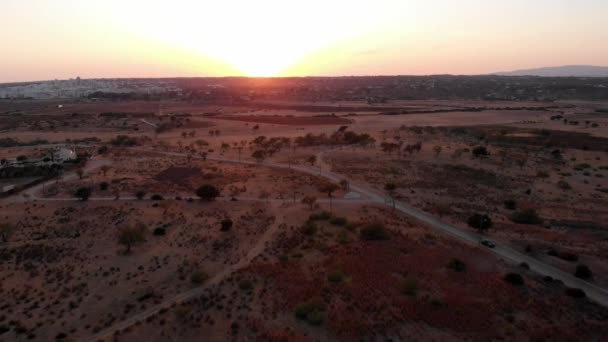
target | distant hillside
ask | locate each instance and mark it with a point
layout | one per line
(561, 71)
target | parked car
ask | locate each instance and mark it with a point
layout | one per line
(488, 243)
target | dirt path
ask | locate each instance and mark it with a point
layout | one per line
(256, 250)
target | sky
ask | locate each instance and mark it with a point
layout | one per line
(60, 39)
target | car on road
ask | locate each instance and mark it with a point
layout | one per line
(488, 243)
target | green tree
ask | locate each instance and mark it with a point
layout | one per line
(480, 222)
(6, 230)
(207, 192)
(309, 201)
(329, 189)
(259, 155)
(391, 189)
(83, 193)
(132, 235)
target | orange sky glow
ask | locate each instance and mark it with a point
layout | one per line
(68, 38)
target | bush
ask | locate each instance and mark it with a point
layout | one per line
(83, 193)
(157, 197)
(338, 221)
(322, 216)
(526, 216)
(562, 184)
(480, 151)
(409, 287)
(568, 256)
(514, 279)
(480, 222)
(199, 277)
(374, 232)
(246, 285)
(436, 301)
(457, 265)
(207, 192)
(140, 194)
(583, 272)
(510, 204)
(309, 228)
(312, 311)
(159, 231)
(575, 293)
(103, 186)
(335, 277)
(226, 224)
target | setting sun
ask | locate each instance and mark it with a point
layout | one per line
(259, 39)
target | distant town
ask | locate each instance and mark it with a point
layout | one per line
(378, 89)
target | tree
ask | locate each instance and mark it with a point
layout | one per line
(583, 272)
(312, 160)
(480, 222)
(526, 216)
(83, 193)
(207, 192)
(389, 147)
(329, 189)
(437, 149)
(390, 189)
(374, 232)
(104, 169)
(132, 235)
(6, 230)
(259, 155)
(480, 151)
(344, 184)
(226, 224)
(140, 194)
(310, 201)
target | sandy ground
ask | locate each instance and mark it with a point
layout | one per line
(247, 282)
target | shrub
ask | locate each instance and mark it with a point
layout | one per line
(246, 285)
(322, 216)
(207, 192)
(159, 231)
(335, 277)
(480, 151)
(457, 265)
(542, 174)
(409, 287)
(140, 194)
(526, 216)
(132, 235)
(510, 204)
(568, 256)
(436, 301)
(575, 293)
(514, 279)
(226, 224)
(374, 231)
(312, 311)
(103, 186)
(480, 222)
(583, 272)
(309, 228)
(338, 221)
(199, 277)
(83, 193)
(562, 184)
(157, 197)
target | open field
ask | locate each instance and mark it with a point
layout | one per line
(310, 235)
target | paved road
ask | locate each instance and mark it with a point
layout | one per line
(594, 292)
